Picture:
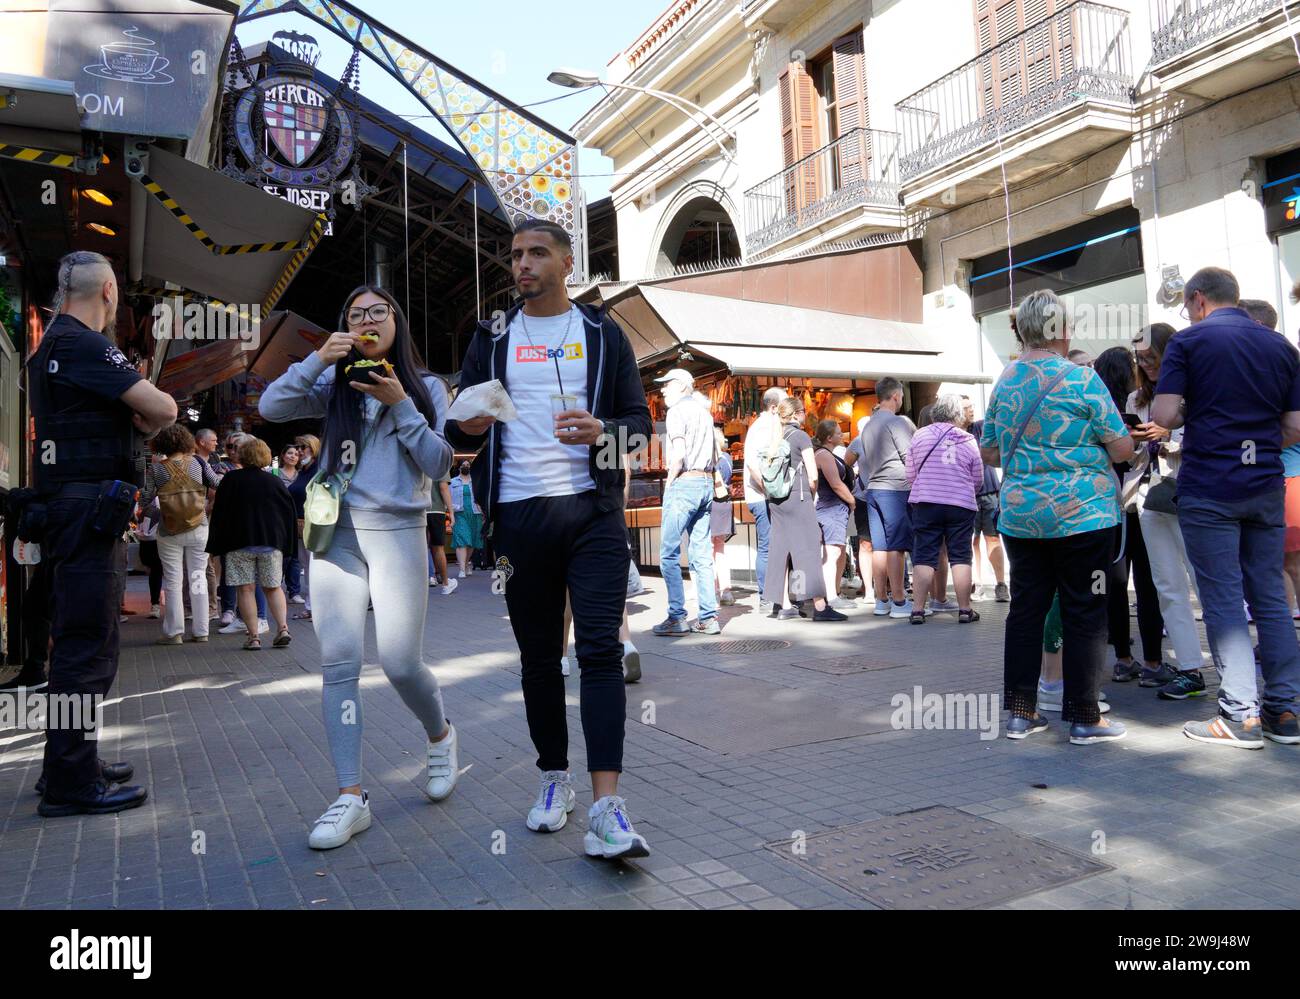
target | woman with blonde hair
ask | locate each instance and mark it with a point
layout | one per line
(254, 530)
(794, 569)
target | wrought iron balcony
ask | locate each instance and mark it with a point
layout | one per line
(859, 169)
(1079, 54)
(1182, 25)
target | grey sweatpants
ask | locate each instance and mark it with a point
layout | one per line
(388, 567)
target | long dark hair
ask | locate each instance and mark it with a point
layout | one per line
(1115, 368)
(1156, 337)
(344, 417)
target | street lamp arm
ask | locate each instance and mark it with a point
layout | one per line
(690, 109)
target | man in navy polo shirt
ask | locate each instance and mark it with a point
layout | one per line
(1235, 385)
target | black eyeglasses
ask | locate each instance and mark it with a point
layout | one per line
(377, 313)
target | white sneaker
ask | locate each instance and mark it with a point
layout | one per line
(903, 611)
(882, 608)
(1051, 700)
(462, 573)
(263, 626)
(450, 588)
(155, 611)
(631, 663)
(471, 570)
(235, 627)
(444, 766)
(564, 665)
(433, 580)
(554, 803)
(610, 833)
(944, 605)
(297, 598)
(227, 617)
(341, 821)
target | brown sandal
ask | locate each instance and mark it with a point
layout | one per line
(253, 645)
(283, 639)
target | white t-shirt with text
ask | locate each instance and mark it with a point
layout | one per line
(533, 462)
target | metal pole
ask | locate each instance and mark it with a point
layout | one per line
(478, 296)
(406, 218)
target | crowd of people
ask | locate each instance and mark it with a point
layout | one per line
(1173, 463)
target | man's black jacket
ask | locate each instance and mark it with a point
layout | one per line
(614, 393)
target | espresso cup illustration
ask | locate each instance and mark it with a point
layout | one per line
(127, 60)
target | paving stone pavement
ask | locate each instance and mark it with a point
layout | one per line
(232, 749)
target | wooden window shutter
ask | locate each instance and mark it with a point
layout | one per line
(851, 107)
(1045, 55)
(799, 135)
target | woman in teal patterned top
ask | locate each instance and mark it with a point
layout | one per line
(1060, 506)
(467, 529)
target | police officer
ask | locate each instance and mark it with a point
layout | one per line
(92, 412)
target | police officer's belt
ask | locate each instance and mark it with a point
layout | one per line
(77, 490)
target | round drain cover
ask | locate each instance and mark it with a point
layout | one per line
(749, 646)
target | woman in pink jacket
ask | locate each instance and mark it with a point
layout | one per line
(944, 470)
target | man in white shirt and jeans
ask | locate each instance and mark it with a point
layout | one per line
(687, 503)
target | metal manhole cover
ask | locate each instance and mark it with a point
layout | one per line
(845, 665)
(938, 858)
(748, 646)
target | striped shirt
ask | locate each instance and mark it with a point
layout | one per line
(944, 466)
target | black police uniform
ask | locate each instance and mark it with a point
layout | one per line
(84, 438)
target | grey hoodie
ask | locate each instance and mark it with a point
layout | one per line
(391, 487)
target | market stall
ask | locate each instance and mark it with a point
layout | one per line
(735, 401)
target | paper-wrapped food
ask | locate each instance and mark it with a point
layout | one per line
(484, 399)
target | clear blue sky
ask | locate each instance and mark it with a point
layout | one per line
(501, 44)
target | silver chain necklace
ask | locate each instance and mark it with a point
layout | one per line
(523, 320)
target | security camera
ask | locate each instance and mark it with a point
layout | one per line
(1171, 287)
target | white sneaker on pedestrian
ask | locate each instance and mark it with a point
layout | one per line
(235, 627)
(904, 611)
(449, 588)
(444, 766)
(349, 815)
(943, 605)
(631, 663)
(554, 803)
(227, 617)
(610, 833)
(263, 626)
(1052, 700)
(155, 611)
(882, 608)
(297, 598)
(564, 665)
(462, 573)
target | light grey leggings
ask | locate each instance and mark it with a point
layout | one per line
(341, 584)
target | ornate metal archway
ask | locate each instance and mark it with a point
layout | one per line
(528, 163)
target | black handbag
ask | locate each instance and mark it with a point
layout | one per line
(1163, 497)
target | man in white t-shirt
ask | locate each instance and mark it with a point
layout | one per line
(550, 484)
(757, 437)
(687, 503)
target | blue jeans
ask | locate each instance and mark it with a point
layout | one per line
(1236, 549)
(687, 505)
(293, 577)
(763, 527)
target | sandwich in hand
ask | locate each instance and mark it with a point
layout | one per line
(368, 337)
